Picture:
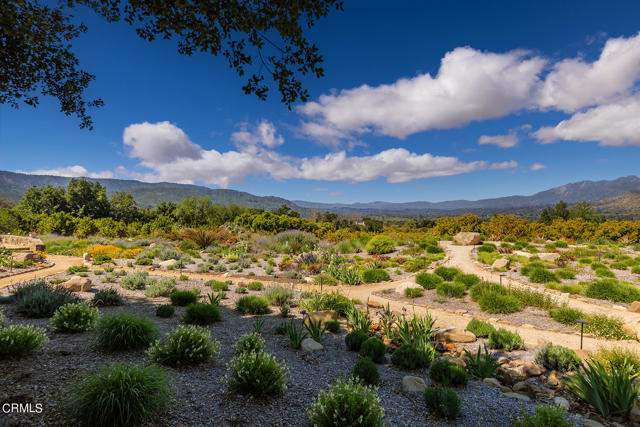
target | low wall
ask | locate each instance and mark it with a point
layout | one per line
(9, 241)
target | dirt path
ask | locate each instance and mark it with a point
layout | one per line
(462, 258)
(61, 263)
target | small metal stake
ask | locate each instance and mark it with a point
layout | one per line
(501, 275)
(582, 323)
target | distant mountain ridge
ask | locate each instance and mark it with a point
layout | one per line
(13, 185)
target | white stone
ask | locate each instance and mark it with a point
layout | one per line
(548, 256)
(407, 285)
(518, 396)
(86, 256)
(561, 401)
(500, 263)
(309, 344)
(167, 263)
(413, 384)
(467, 238)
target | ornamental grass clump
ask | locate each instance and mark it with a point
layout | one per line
(428, 280)
(252, 304)
(447, 273)
(125, 332)
(479, 328)
(442, 402)
(375, 275)
(347, 403)
(481, 365)
(451, 289)
(119, 395)
(107, 297)
(75, 317)
(38, 299)
(185, 345)
(161, 288)
(183, 298)
(278, 295)
(545, 415)
(505, 340)
(201, 314)
(20, 340)
(256, 373)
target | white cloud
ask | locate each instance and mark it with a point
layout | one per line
(75, 171)
(264, 133)
(157, 143)
(615, 124)
(503, 141)
(537, 166)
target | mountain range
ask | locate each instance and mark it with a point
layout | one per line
(615, 197)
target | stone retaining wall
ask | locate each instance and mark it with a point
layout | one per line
(9, 241)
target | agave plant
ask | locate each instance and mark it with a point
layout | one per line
(315, 329)
(296, 335)
(482, 365)
(388, 319)
(417, 332)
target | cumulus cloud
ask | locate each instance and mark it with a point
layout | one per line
(158, 143)
(75, 171)
(614, 124)
(264, 133)
(537, 166)
(503, 141)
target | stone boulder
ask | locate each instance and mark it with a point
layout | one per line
(413, 384)
(309, 344)
(467, 238)
(549, 256)
(26, 256)
(455, 335)
(518, 396)
(525, 388)
(561, 402)
(78, 284)
(500, 263)
(530, 369)
(635, 307)
(86, 257)
(407, 285)
(167, 263)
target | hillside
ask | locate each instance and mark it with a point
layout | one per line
(624, 206)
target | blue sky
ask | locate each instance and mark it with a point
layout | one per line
(440, 79)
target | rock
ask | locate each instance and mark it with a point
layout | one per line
(510, 376)
(26, 256)
(588, 422)
(86, 256)
(407, 285)
(500, 263)
(634, 415)
(455, 335)
(635, 307)
(467, 238)
(502, 360)
(450, 347)
(549, 256)
(525, 388)
(167, 263)
(518, 396)
(561, 401)
(78, 284)
(552, 379)
(492, 381)
(530, 369)
(325, 316)
(413, 384)
(308, 344)
(374, 304)
(632, 329)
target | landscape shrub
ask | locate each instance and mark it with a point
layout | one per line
(428, 280)
(375, 275)
(413, 292)
(77, 269)
(565, 274)
(168, 253)
(322, 301)
(545, 415)
(487, 247)
(165, 310)
(254, 286)
(635, 269)
(333, 325)
(447, 273)
(324, 280)
(495, 302)
(479, 328)
(278, 295)
(355, 339)
(612, 290)
(185, 345)
(531, 298)
(506, 340)
(379, 245)
(366, 370)
(374, 349)
(143, 261)
(217, 285)
(37, 299)
(611, 394)
(136, 281)
(290, 241)
(119, 395)
(605, 273)
(125, 332)
(603, 326)
(448, 373)
(241, 289)
(107, 297)
(248, 343)
(542, 275)
(183, 298)
(442, 402)
(252, 304)
(257, 373)
(205, 267)
(451, 289)
(468, 280)
(566, 315)
(347, 403)
(619, 265)
(557, 358)
(20, 340)
(410, 358)
(615, 358)
(75, 317)
(161, 288)
(201, 314)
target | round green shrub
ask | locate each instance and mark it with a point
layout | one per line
(325, 280)
(557, 358)
(165, 310)
(254, 286)
(479, 328)
(410, 358)
(107, 297)
(347, 403)
(201, 314)
(506, 340)
(248, 343)
(257, 373)
(75, 317)
(565, 274)
(366, 370)
(487, 247)
(428, 280)
(375, 275)
(380, 244)
(374, 349)
(136, 281)
(161, 288)
(278, 295)
(217, 285)
(413, 292)
(468, 280)
(612, 290)
(542, 275)
(355, 339)
(447, 273)
(37, 299)
(605, 273)
(545, 415)
(183, 298)
(442, 401)
(252, 304)
(494, 302)
(125, 332)
(332, 325)
(20, 340)
(451, 289)
(448, 373)
(185, 345)
(566, 315)
(120, 395)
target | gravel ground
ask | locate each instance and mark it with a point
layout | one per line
(201, 399)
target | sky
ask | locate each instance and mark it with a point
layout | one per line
(420, 101)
